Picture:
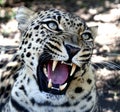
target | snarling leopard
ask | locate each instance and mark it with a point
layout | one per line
(51, 72)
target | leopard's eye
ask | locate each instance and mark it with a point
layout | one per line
(52, 25)
(86, 36)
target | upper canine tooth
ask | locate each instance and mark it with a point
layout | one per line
(54, 65)
(50, 83)
(61, 87)
(73, 69)
(62, 62)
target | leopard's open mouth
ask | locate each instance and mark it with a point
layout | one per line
(55, 76)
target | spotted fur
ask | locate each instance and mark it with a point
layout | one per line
(47, 37)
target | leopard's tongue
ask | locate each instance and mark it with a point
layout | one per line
(59, 75)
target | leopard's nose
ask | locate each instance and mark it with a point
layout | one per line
(72, 51)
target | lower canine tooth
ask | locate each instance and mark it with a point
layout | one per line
(73, 69)
(61, 87)
(49, 83)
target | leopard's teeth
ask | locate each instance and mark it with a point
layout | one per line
(54, 65)
(55, 88)
(45, 71)
(73, 69)
(62, 87)
(70, 64)
(62, 62)
(50, 83)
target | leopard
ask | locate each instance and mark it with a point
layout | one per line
(52, 70)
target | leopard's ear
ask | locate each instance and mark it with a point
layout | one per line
(94, 30)
(24, 16)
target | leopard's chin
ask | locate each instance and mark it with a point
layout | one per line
(55, 76)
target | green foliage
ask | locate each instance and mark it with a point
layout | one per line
(2, 2)
(6, 14)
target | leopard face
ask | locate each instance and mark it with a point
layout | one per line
(56, 45)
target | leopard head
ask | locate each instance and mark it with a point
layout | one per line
(55, 45)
